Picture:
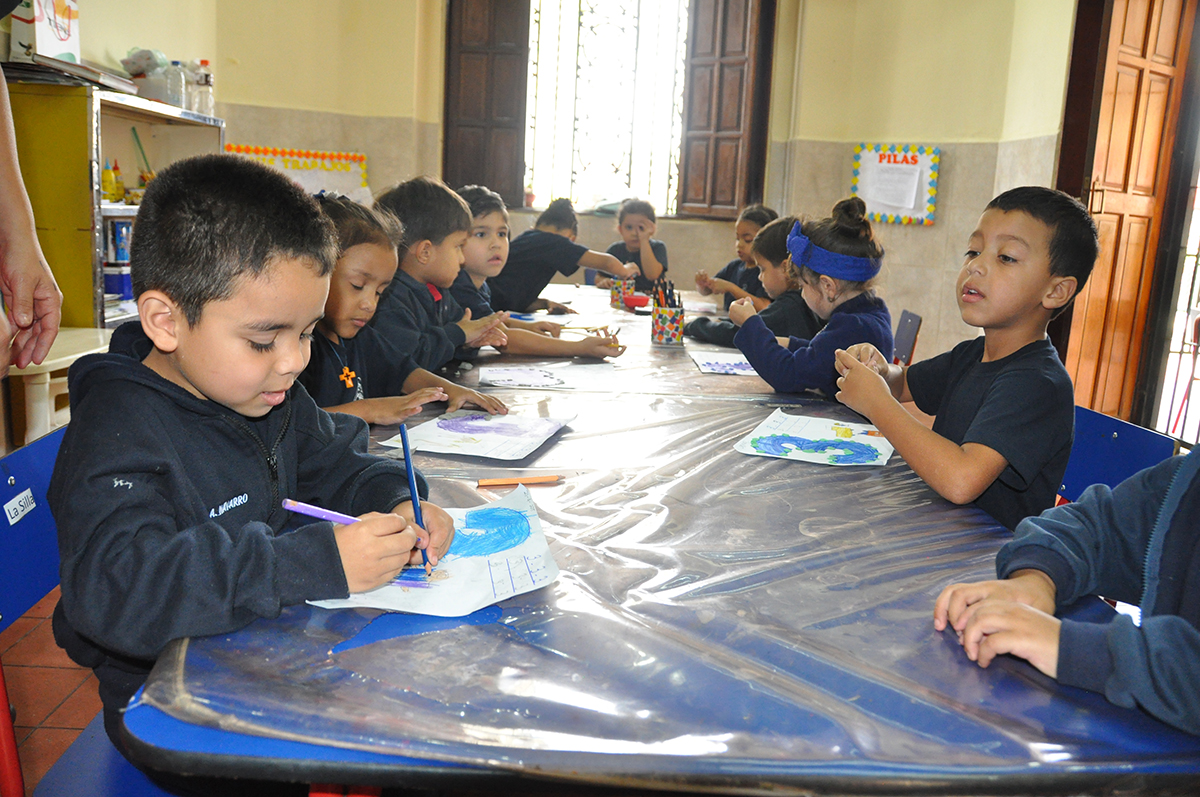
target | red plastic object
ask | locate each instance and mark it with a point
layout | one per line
(637, 300)
(11, 782)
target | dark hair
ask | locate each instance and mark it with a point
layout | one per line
(560, 215)
(771, 240)
(1075, 244)
(758, 214)
(427, 208)
(639, 206)
(847, 231)
(482, 201)
(358, 224)
(206, 221)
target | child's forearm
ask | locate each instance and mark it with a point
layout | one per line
(897, 382)
(421, 378)
(959, 474)
(651, 268)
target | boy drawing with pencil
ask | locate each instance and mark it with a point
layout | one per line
(188, 434)
(1004, 404)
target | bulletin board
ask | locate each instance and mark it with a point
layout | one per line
(343, 172)
(898, 182)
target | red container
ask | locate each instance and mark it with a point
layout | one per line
(636, 300)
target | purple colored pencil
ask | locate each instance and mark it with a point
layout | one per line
(317, 512)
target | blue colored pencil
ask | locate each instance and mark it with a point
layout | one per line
(412, 488)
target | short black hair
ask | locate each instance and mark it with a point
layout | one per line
(206, 221)
(482, 200)
(771, 240)
(638, 206)
(560, 215)
(758, 214)
(427, 208)
(358, 224)
(1075, 244)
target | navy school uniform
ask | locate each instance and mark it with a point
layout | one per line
(747, 278)
(642, 283)
(419, 320)
(788, 316)
(534, 257)
(809, 364)
(477, 300)
(364, 366)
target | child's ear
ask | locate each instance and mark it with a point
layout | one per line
(829, 288)
(160, 318)
(1061, 292)
(422, 251)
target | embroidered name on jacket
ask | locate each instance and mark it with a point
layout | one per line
(230, 504)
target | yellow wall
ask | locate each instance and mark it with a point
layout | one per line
(357, 57)
(920, 70)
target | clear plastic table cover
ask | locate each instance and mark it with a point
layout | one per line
(720, 620)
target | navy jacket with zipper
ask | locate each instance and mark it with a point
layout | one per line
(169, 517)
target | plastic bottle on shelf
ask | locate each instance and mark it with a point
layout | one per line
(108, 183)
(201, 99)
(118, 194)
(176, 84)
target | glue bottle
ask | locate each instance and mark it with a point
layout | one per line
(118, 194)
(108, 183)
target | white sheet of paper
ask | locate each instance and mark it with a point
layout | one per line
(719, 362)
(693, 306)
(476, 434)
(894, 184)
(558, 376)
(499, 551)
(818, 440)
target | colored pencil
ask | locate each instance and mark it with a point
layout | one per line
(412, 488)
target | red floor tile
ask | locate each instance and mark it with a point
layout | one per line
(79, 709)
(20, 627)
(38, 649)
(39, 752)
(45, 607)
(38, 691)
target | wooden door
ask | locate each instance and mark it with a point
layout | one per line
(726, 96)
(1139, 107)
(487, 63)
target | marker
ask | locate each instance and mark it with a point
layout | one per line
(412, 489)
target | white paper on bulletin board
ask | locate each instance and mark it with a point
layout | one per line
(315, 171)
(898, 182)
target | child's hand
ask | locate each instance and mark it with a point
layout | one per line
(600, 346)
(703, 283)
(631, 271)
(546, 327)
(388, 410)
(557, 308)
(1030, 587)
(375, 549)
(437, 535)
(604, 282)
(860, 387)
(741, 310)
(784, 342)
(869, 356)
(475, 330)
(463, 395)
(721, 286)
(999, 626)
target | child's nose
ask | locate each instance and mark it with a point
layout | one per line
(294, 358)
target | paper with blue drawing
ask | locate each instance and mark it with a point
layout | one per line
(715, 362)
(477, 434)
(818, 440)
(499, 551)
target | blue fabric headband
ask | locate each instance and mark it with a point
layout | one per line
(844, 267)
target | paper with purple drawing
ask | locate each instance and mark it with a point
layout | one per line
(476, 434)
(719, 362)
(818, 440)
(553, 376)
(499, 551)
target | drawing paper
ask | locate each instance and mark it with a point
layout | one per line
(498, 551)
(719, 362)
(557, 376)
(474, 433)
(818, 440)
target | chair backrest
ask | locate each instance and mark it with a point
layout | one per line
(1108, 451)
(906, 337)
(29, 542)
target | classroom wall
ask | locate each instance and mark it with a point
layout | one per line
(360, 75)
(984, 81)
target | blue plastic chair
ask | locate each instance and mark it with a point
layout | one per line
(905, 338)
(1108, 451)
(28, 565)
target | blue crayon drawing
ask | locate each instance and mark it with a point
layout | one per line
(841, 452)
(478, 423)
(730, 368)
(490, 530)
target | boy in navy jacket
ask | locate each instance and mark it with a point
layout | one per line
(188, 434)
(1138, 543)
(1004, 404)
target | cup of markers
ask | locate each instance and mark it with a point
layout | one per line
(619, 290)
(666, 323)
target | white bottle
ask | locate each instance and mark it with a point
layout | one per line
(201, 98)
(176, 84)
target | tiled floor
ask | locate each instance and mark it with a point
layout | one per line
(55, 699)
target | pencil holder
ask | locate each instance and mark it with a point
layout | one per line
(620, 289)
(666, 326)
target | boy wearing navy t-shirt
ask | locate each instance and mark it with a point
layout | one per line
(1004, 404)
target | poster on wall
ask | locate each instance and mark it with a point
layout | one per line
(343, 172)
(898, 182)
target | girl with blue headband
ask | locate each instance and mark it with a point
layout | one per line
(837, 258)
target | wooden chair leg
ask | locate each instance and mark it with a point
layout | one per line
(12, 784)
